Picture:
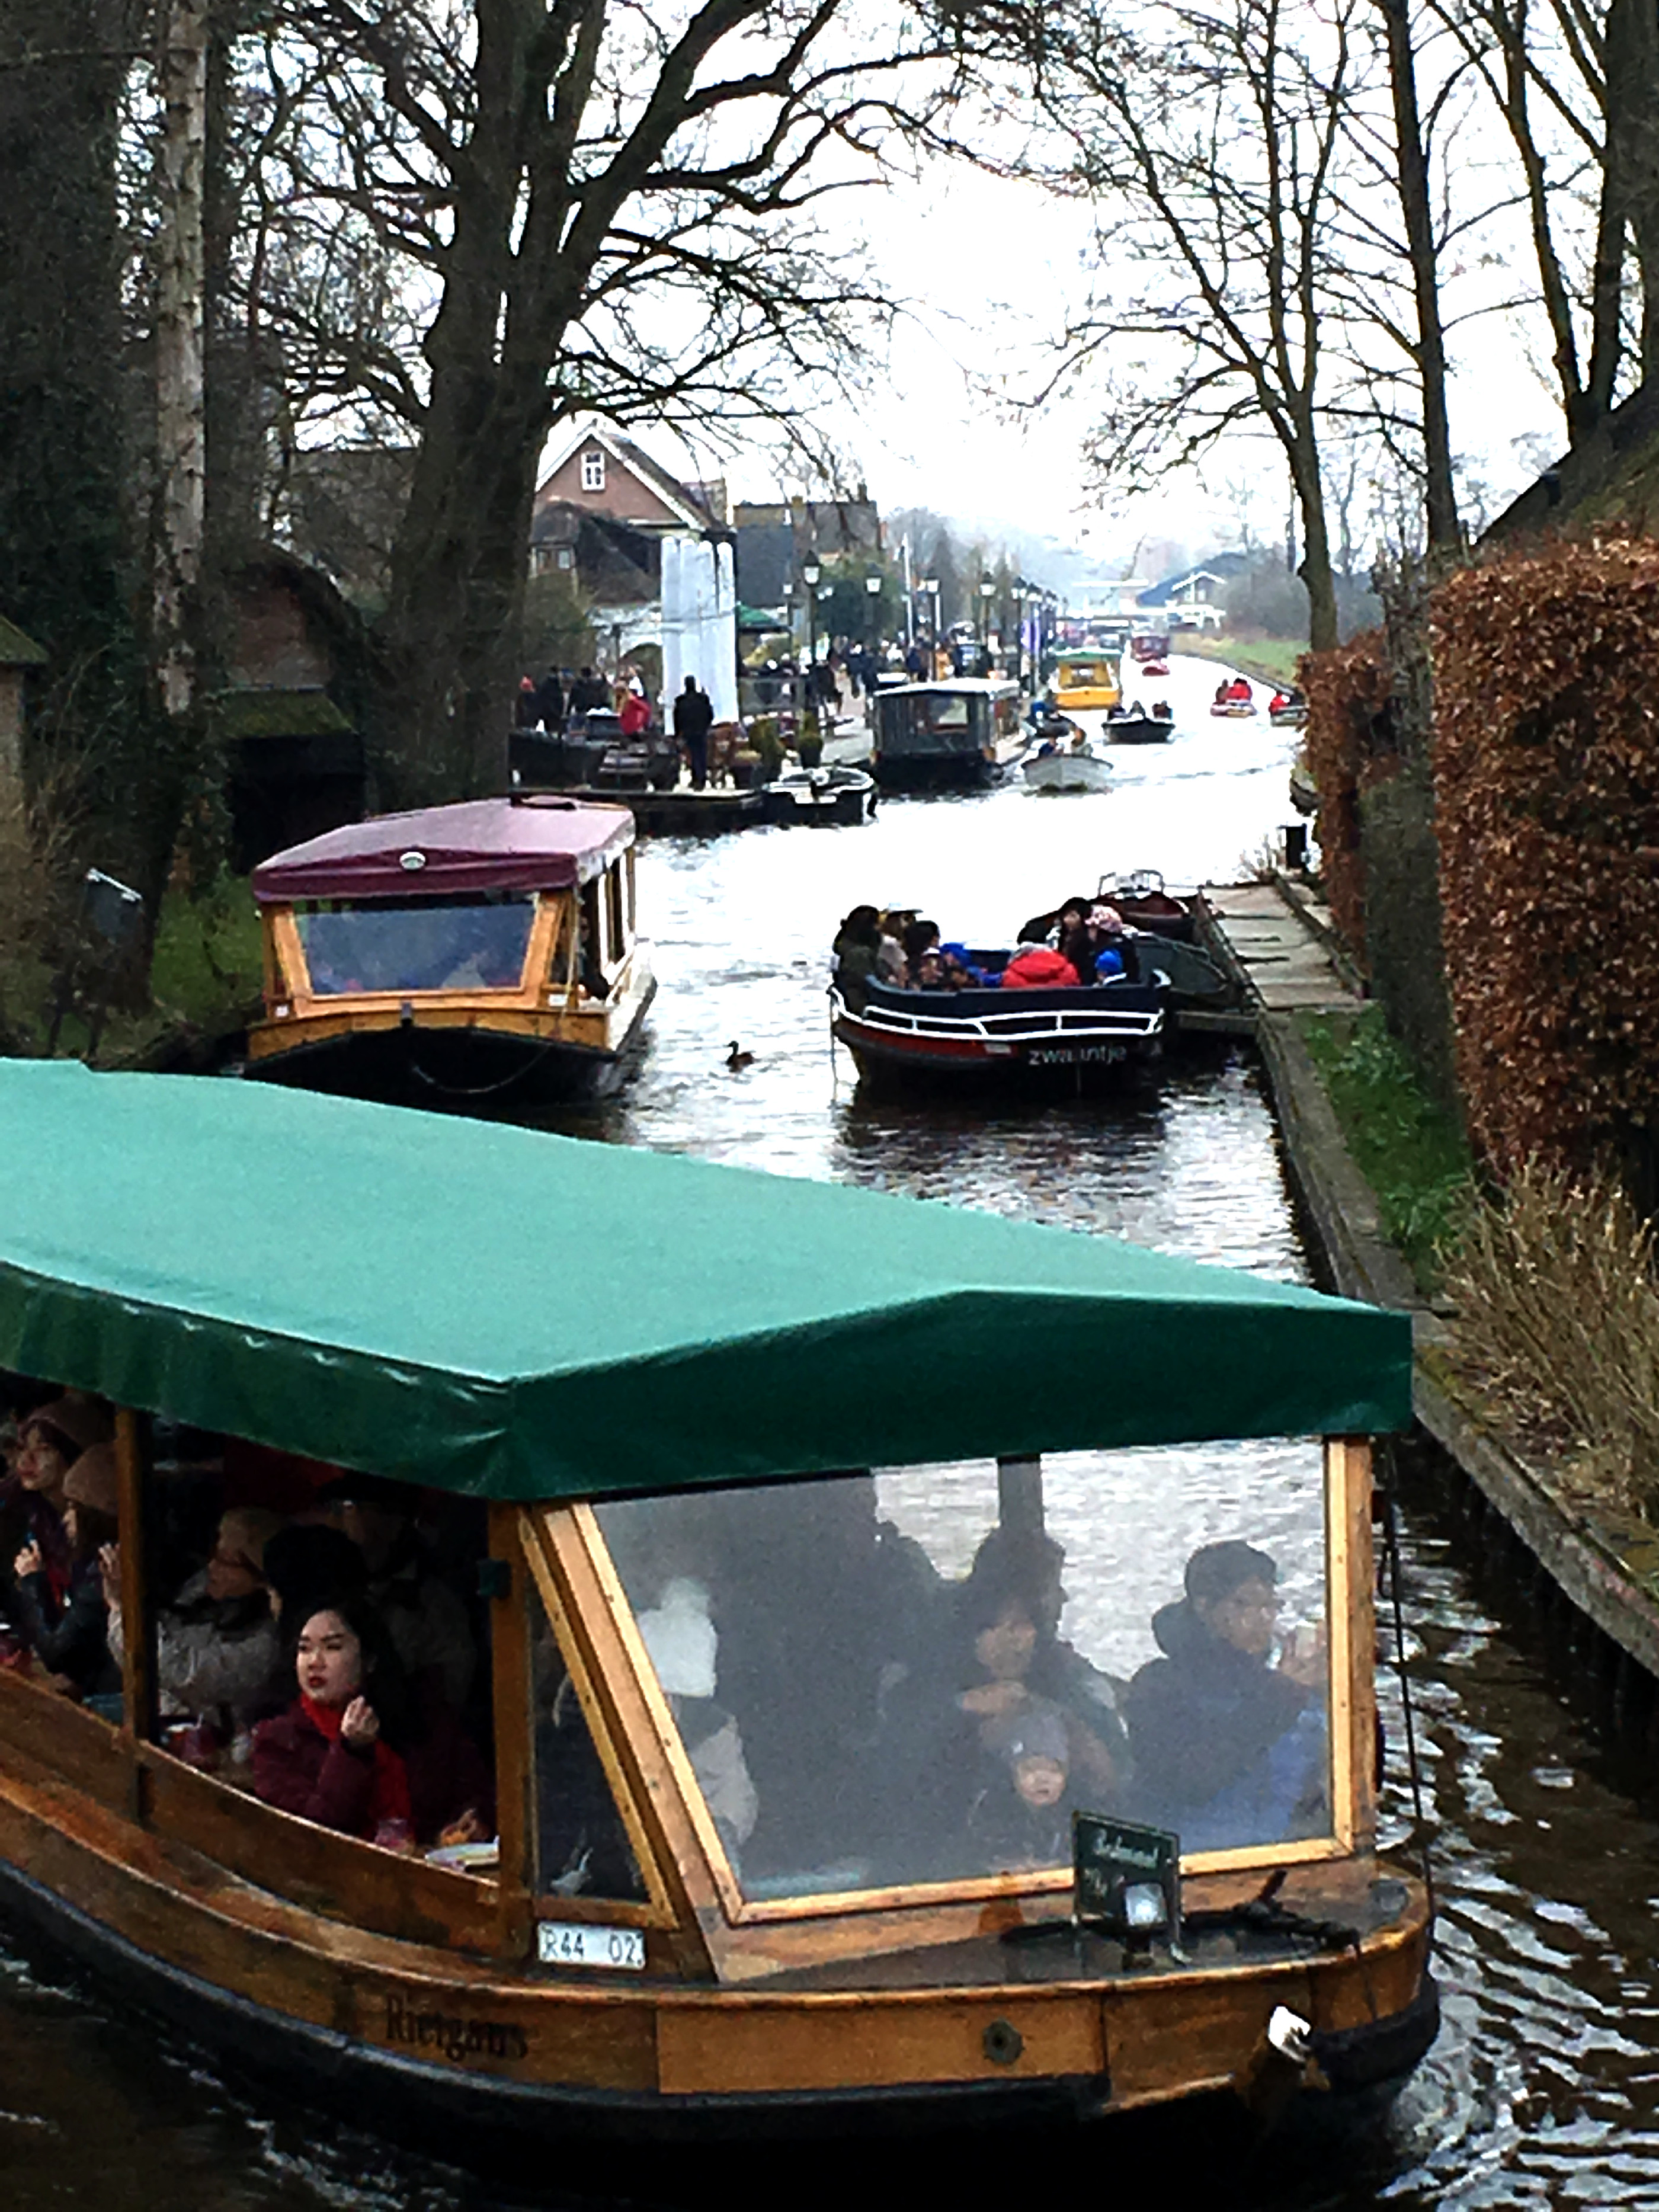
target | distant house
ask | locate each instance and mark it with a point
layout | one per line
(777, 537)
(1190, 596)
(18, 653)
(291, 713)
(654, 556)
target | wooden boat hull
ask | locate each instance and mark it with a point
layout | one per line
(458, 1057)
(1235, 710)
(1060, 1038)
(464, 2051)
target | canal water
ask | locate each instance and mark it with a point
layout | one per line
(1541, 2090)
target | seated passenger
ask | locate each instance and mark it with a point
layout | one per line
(1035, 967)
(1223, 693)
(327, 1758)
(682, 1640)
(919, 937)
(1229, 1748)
(218, 1651)
(1021, 1815)
(425, 1619)
(932, 974)
(1161, 711)
(1032, 1563)
(65, 1628)
(361, 1749)
(49, 1442)
(857, 942)
(892, 967)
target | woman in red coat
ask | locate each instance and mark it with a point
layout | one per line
(325, 1758)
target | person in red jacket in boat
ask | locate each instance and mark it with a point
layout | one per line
(1239, 692)
(354, 1753)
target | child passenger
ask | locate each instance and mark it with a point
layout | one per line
(1021, 1818)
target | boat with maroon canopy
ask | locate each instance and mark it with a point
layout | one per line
(454, 953)
(811, 1772)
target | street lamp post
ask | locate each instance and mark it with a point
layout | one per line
(872, 587)
(929, 588)
(809, 577)
(986, 588)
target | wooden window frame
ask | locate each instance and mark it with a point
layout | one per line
(653, 1769)
(284, 936)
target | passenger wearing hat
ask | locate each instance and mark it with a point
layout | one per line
(1021, 1817)
(1230, 1748)
(67, 1634)
(218, 1652)
(50, 1440)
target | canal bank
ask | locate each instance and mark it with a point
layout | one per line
(1604, 1564)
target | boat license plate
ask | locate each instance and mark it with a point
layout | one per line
(586, 1944)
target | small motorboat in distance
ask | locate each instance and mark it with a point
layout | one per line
(1133, 725)
(1079, 762)
(1288, 710)
(449, 953)
(823, 797)
(1234, 701)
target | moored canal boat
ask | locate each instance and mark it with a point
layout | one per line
(823, 1805)
(455, 953)
(964, 731)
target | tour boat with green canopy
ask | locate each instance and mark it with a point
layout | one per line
(900, 1665)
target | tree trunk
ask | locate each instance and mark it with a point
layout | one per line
(1631, 152)
(181, 433)
(1445, 537)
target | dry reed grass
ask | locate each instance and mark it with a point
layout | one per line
(1558, 1319)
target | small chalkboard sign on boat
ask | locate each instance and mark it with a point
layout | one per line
(1126, 1880)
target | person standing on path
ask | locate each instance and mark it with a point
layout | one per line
(693, 717)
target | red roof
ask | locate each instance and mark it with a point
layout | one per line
(480, 845)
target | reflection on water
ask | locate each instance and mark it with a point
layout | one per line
(1542, 2089)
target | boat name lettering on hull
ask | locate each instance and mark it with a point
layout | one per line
(1073, 1056)
(453, 2035)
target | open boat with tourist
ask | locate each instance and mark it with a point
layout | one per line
(806, 1796)
(1067, 763)
(1134, 725)
(1288, 710)
(964, 730)
(1234, 701)
(454, 952)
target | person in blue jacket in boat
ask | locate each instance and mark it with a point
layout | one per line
(1229, 1746)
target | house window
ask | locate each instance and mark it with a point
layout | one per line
(593, 470)
(564, 558)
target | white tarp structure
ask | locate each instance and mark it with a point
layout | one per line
(700, 623)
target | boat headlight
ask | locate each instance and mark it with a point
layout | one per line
(282, 1013)
(1144, 1907)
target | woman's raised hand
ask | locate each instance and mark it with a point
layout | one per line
(27, 1561)
(360, 1723)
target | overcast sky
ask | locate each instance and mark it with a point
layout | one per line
(988, 268)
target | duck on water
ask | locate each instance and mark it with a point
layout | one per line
(832, 1739)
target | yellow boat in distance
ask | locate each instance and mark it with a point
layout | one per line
(1087, 677)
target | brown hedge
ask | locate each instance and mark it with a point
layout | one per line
(1546, 791)
(1347, 690)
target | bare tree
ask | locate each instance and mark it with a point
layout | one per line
(1209, 142)
(586, 206)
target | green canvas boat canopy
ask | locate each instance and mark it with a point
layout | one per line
(516, 1316)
